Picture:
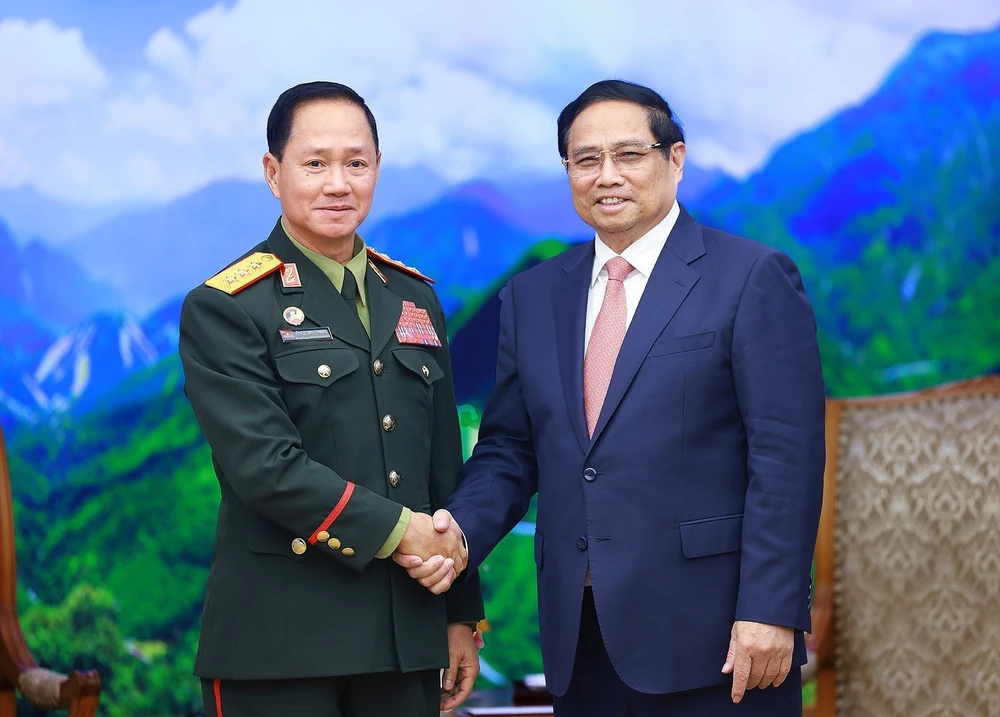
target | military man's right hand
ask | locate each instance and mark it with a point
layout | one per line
(432, 550)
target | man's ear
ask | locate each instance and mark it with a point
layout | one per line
(272, 168)
(677, 156)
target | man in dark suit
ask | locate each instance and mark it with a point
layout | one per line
(660, 389)
(319, 372)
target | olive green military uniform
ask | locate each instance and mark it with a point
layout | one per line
(319, 440)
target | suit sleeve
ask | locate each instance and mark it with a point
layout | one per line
(500, 478)
(779, 387)
(464, 601)
(237, 400)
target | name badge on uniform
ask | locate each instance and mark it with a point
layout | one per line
(323, 333)
(415, 327)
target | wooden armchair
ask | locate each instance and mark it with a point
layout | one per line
(45, 689)
(906, 608)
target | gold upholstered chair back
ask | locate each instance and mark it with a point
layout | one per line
(907, 604)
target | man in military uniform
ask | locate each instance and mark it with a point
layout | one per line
(319, 372)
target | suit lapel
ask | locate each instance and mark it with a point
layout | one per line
(669, 285)
(384, 308)
(318, 297)
(569, 301)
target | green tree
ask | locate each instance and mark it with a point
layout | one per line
(137, 679)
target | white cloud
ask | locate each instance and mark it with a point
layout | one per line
(913, 17)
(44, 65)
(466, 90)
(462, 125)
(167, 51)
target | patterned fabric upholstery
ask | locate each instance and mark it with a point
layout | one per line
(917, 576)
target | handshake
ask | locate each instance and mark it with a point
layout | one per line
(433, 550)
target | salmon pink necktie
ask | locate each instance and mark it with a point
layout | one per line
(605, 342)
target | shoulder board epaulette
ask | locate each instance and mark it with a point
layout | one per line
(245, 272)
(398, 265)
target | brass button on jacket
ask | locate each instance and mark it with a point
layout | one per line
(388, 422)
(322, 536)
(378, 367)
(298, 546)
(323, 371)
(394, 479)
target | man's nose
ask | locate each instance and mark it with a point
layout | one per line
(610, 173)
(336, 181)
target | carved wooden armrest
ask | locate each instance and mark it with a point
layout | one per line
(53, 691)
(43, 688)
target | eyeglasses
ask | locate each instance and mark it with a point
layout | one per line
(626, 157)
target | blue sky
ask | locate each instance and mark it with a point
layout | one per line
(104, 101)
(116, 30)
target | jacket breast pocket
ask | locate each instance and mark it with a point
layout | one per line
(316, 366)
(681, 344)
(269, 538)
(712, 536)
(420, 363)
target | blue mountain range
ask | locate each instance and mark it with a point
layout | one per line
(154, 254)
(31, 215)
(914, 161)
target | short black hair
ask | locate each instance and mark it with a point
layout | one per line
(662, 121)
(279, 122)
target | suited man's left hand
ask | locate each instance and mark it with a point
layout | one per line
(759, 656)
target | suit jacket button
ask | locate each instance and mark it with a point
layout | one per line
(425, 371)
(581, 543)
(323, 371)
(334, 543)
(322, 536)
(348, 551)
(298, 546)
(394, 479)
(378, 367)
(590, 475)
(388, 422)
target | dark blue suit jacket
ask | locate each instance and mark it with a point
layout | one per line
(697, 501)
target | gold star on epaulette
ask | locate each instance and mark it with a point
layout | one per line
(398, 265)
(245, 272)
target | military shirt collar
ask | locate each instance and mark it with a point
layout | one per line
(334, 270)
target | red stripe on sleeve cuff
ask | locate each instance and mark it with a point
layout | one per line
(334, 514)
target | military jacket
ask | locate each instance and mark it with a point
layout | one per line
(318, 439)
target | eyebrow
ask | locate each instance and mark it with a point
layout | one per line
(594, 149)
(326, 150)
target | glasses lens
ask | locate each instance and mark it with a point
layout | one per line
(629, 158)
(584, 166)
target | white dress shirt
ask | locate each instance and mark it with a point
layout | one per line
(642, 255)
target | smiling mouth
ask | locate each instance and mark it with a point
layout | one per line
(611, 201)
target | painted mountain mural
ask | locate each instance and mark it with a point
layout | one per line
(891, 209)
